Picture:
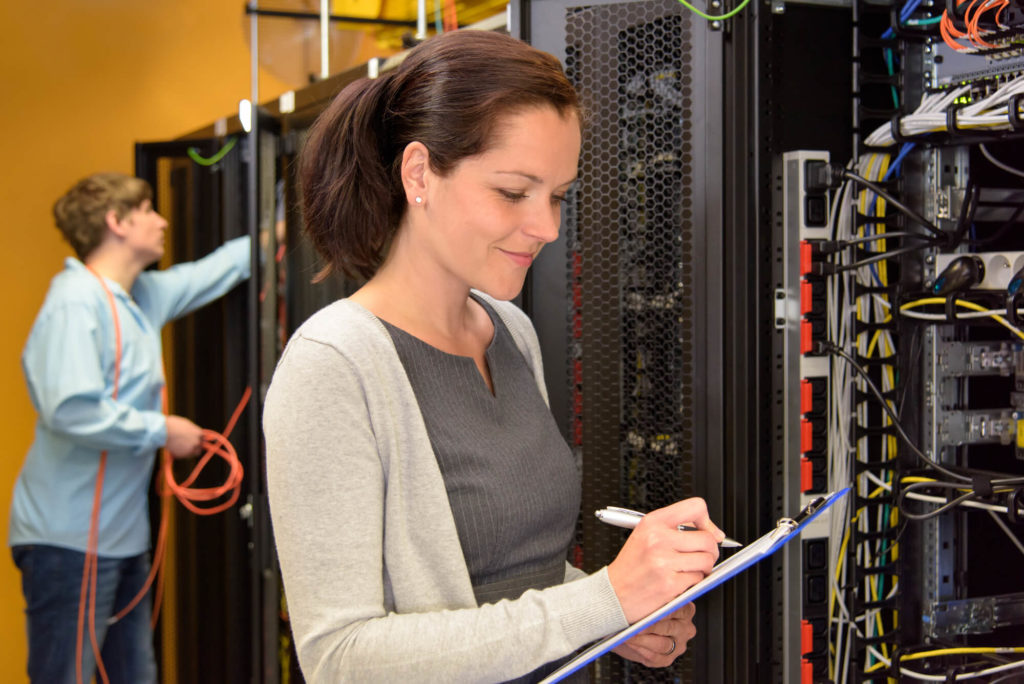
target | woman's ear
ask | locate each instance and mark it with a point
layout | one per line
(113, 222)
(415, 168)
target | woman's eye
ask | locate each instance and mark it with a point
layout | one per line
(512, 196)
(556, 199)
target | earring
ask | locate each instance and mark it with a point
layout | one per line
(419, 200)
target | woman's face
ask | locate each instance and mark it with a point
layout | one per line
(144, 231)
(489, 218)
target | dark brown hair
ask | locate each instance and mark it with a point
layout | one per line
(81, 212)
(448, 93)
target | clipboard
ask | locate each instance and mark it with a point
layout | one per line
(785, 530)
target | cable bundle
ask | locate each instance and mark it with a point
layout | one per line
(972, 15)
(864, 569)
(938, 113)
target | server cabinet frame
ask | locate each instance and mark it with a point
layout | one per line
(593, 308)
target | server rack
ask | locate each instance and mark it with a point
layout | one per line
(628, 302)
(220, 595)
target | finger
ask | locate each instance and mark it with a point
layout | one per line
(691, 561)
(656, 644)
(685, 580)
(694, 540)
(639, 655)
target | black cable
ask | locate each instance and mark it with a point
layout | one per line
(1001, 231)
(833, 349)
(917, 345)
(880, 257)
(994, 481)
(901, 501)
(971, 195)
(910, 213)
(889, 236)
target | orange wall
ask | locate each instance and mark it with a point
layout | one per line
(80, 83)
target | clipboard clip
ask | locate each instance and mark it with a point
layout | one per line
(788, 525)
(812, 507)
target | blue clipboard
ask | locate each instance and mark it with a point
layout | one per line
(785, 530)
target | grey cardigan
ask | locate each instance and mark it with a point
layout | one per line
(374, 577)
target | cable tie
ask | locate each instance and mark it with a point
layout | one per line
(982, 485)
(894, 663)
(953, 671)
(1014, 504)
(1013, 115)
(952, 127)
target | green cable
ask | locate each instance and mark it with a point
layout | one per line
(194, 155)
(889, 67)
(923, 22)
(711, 18)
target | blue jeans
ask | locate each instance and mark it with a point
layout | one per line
(51, 580)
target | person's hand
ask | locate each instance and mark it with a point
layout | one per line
(184, 438)
(664, 641)
(658, 561)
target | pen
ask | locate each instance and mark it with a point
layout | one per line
(624, 517)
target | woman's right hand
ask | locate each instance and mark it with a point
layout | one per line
(658, 561)
(184, 438)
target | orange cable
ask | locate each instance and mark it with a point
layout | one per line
(451, 21)
(89, 569)
(222, 447)
(216, 444)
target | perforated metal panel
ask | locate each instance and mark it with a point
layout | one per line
(635, 261)
(629, 249)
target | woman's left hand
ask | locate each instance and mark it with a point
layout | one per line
(664, 641)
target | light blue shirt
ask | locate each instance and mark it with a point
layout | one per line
(68, 363)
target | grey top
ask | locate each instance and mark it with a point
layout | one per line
(376, 583)
(510, 477)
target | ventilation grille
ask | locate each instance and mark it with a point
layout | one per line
(630, 253)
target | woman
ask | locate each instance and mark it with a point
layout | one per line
(422, 497)
(95, 375)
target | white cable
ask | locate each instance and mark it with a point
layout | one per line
(989, 112)
(887, 486)
(998, 164)
(969, 675)
(995, 508)
(1009, 533)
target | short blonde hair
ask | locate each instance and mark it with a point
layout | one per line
(81, 212)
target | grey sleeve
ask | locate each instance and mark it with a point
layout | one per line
(327, 490)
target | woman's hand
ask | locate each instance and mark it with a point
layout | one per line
(664, 641)
(658, 561)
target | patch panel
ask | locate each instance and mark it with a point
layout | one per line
(956, 428)
(977, 358)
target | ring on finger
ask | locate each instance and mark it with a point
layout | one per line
(672, 648)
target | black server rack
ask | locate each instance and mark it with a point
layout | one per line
(628, 301)
(218, 596)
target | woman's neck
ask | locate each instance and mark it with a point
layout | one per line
(110, 264)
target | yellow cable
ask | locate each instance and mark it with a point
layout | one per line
(967, 305)
(963, 650)
(917, 478)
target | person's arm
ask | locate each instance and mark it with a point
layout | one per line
(328, 492)
(173, 292)
(63, 369)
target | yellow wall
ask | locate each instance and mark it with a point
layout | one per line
(80, 83)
